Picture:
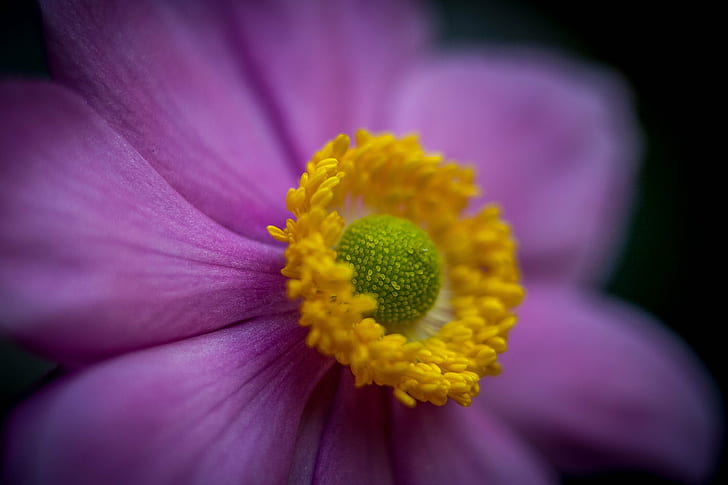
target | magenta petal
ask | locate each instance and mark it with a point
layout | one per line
(452, 444)
(98, 254)
(554, 144)
(313, 422)
(593, 383)
(219, 408)
(355, 443)
(172, 79)
(329, 65)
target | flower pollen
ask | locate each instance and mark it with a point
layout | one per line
(394, 280)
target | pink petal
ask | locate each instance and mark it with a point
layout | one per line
(219, 408)
(554, 144)
(595, 384)
(452, 444)
(355, 443)
(329, 66)
(173, 79)
(98, 254)
(314, 419)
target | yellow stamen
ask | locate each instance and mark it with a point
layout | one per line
(444, 353)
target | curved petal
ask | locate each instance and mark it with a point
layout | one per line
(218, 408)
(314, 419)
(98, 254)
(594, 384)
(355, 443)
(554, 143)
(170, 77)
(453, 444)
(328, 66)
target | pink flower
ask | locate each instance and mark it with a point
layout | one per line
(135, 194)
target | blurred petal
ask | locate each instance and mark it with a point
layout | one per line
(172, 79)
(452, 444)
(354, 446)
(218, 408)
(98, 254)
(329, 66)
(554, 144)
(593, 384)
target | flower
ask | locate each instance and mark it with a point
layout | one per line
(136, 191)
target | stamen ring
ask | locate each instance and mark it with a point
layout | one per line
(444, 353)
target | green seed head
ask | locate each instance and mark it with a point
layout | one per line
(397, 262)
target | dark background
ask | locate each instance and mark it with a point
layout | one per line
(664, 52)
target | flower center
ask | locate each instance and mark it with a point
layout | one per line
(397, 262)
(396, 280)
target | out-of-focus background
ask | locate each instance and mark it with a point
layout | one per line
(660, 51)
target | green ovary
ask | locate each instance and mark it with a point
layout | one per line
(397, 262)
